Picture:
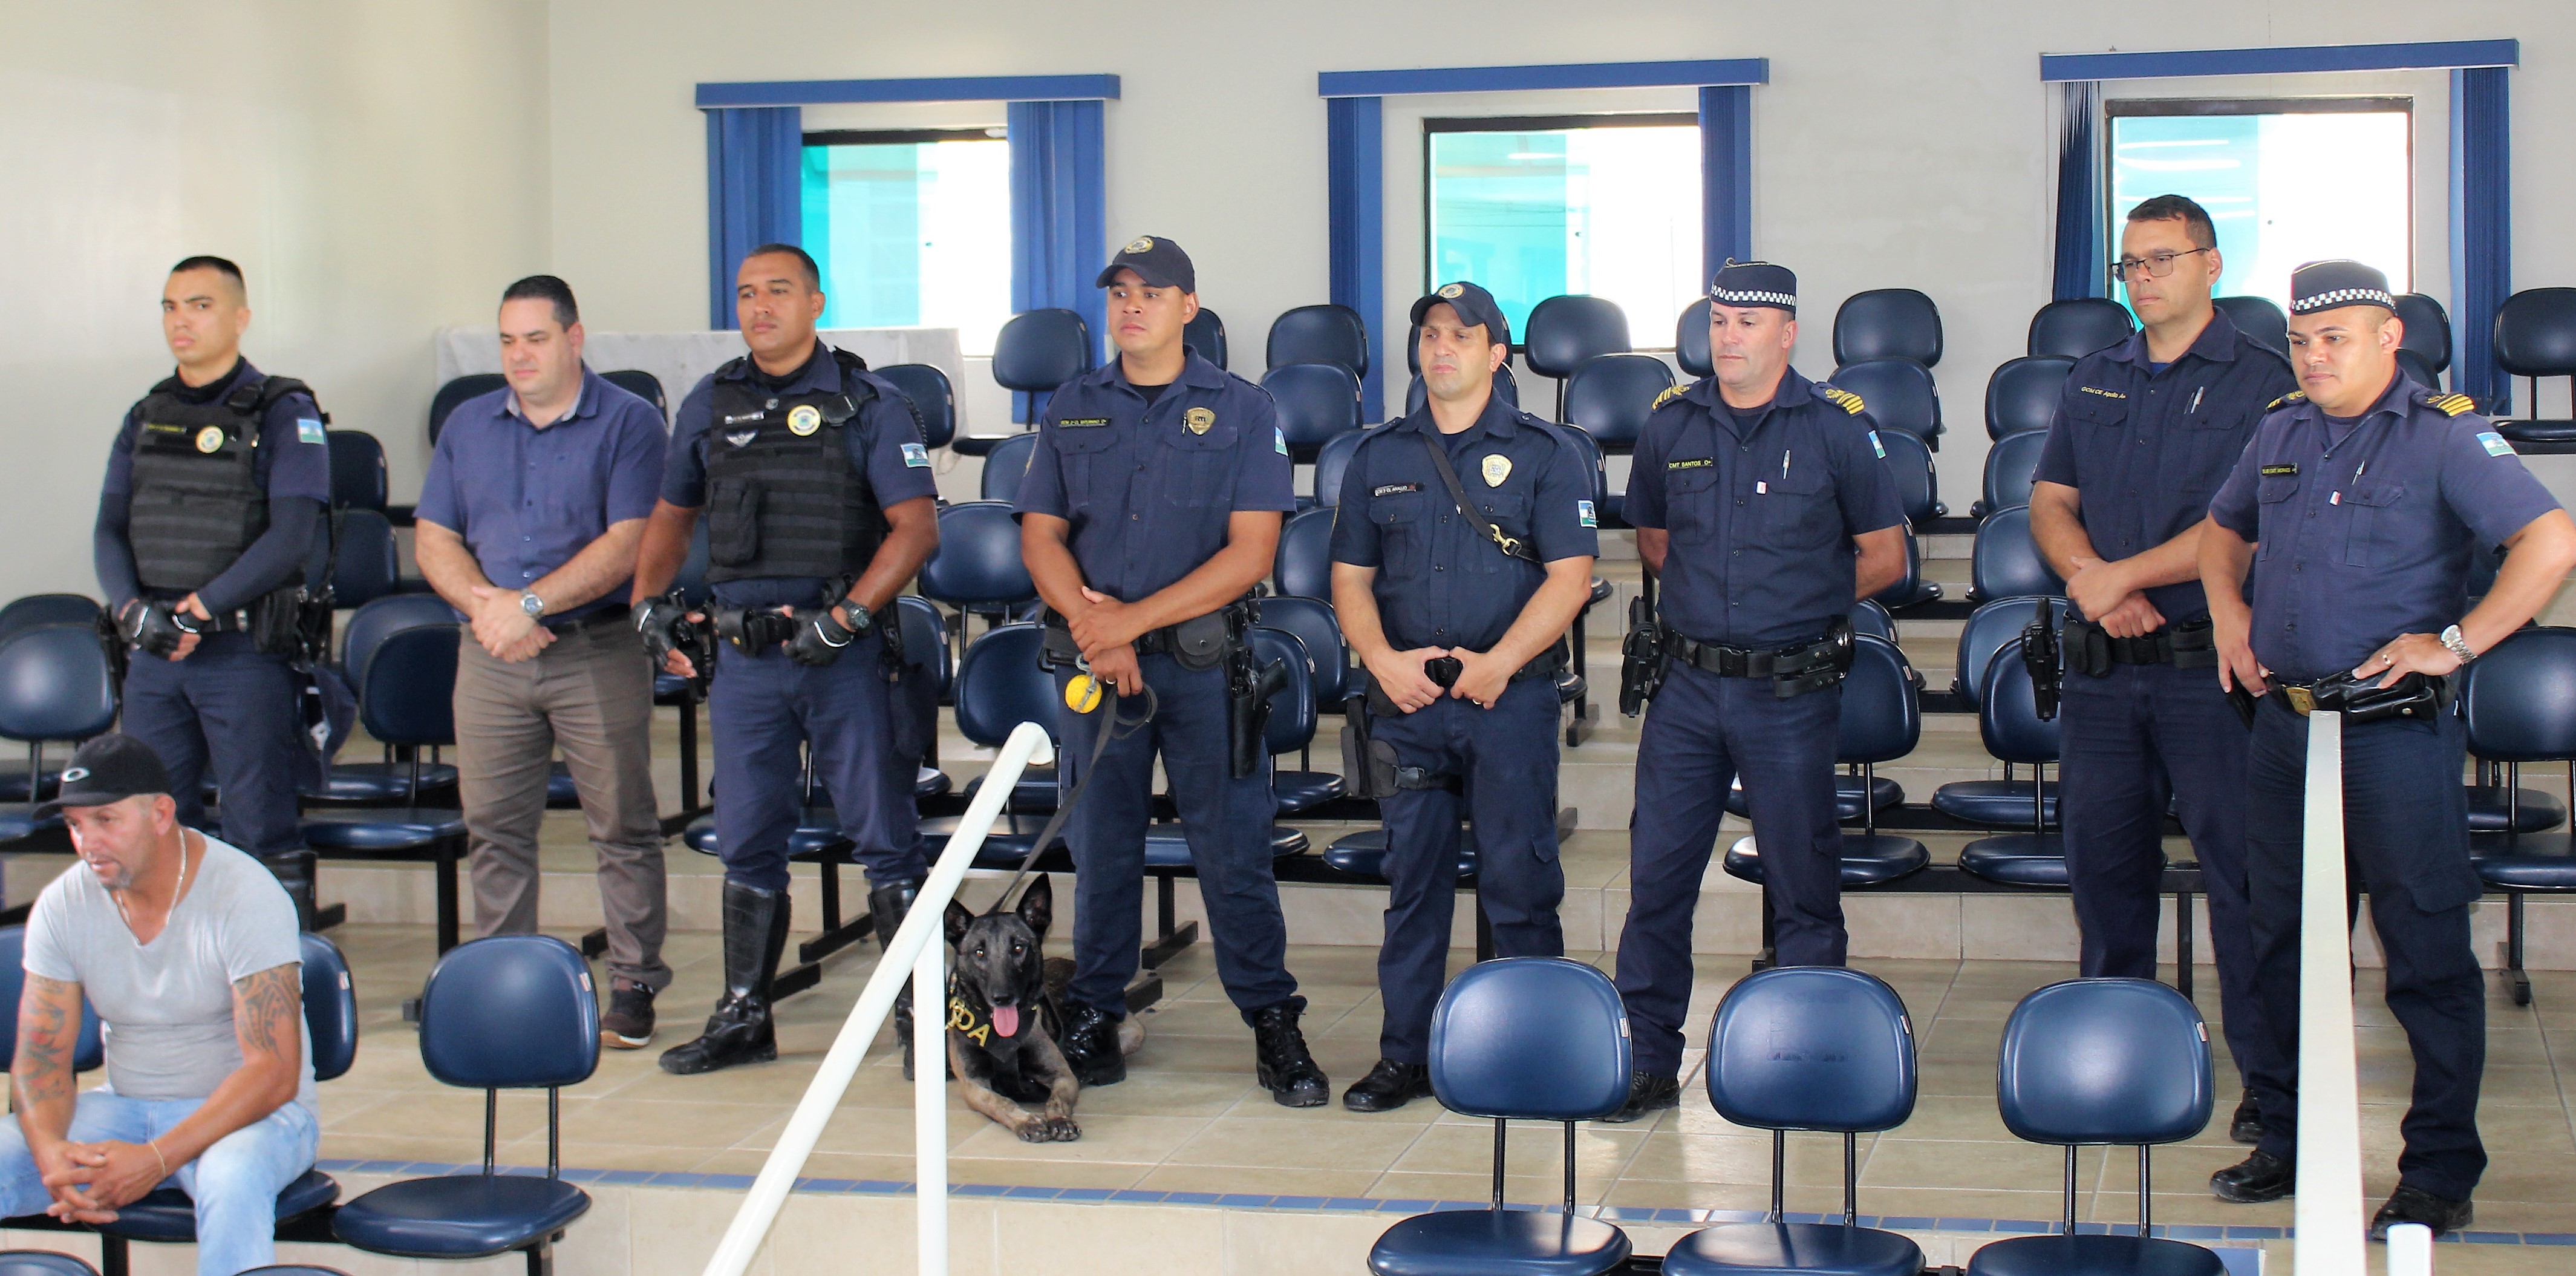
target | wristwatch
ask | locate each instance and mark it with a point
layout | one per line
(530, 603)
(2459, 646)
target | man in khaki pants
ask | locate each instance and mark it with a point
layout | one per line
(528, 524)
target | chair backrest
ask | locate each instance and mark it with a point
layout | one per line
(1898, 394)
(1319, 334)
(2521, 698)
(364, 563)
(1690, 340)
(1611, 396)
(2122, 1061)
(357, 470)
(382, 618)
(1887, 323)
(1416, 393)
(471, 385)
(1039, 350)
(925, 636)
(2077, 327)
(2022, 394)
(643, 385)
(1291, 725)
(1315, 402)
(1205, 333)
(1000, 686)
(89, 1049)
(55, 684)
(2418, 369)
(2428, 329)
(1909, 586)
(407, 693)
(1881, 719)
(978, 559)
(2259, 318)
(1532, 1039)
(1313, 622)
(1812, 1048)
(1332, 461)
(934, 399)
(1868, 617)
(1590, 454)
(48, 609)
(2008, 718)
(1909, 460)
(1563, 333)
(510, 1012)
(2006, 562)
(1303, 565)
(44, 1262)
(2535, 333)
(1006, 465)
(330, 1007)
(1987, 628)
(2011, 463)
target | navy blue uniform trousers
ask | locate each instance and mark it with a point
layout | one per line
(1226, 820)
(229, 706)
(760, 708)
(2406, 842)
(1701, 733)
(1506, 758)
(2134, 740)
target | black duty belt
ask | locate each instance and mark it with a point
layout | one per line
(2091, 649)
(1197, 643)
(613, 614)
(1739, 662)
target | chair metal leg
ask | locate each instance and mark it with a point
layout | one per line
(1169, 938)
(689, 754)
(448, 925)
(1484, 926)
(2182, 943)
(2516, 979)
(113, 1257)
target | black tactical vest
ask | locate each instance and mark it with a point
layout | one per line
(783, 496)
(198, 502)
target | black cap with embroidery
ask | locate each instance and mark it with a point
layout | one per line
(1755, 283)
(110, 768)
(1156, 260)
(1474, 306)
(2325, 285)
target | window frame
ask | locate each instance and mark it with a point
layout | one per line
(999, 133)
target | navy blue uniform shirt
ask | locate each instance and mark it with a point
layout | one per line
(1148, 489)
(526, 500)
(2364, 528)
(1761, 523)
(1440, 583)
(885, 441)
(2147, 445)
(293, 460)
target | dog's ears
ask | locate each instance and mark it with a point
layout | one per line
(958, 919)
(1037, 905)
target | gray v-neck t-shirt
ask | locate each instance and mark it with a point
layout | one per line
(168, 1005)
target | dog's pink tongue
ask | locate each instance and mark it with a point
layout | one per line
(1006, 1020)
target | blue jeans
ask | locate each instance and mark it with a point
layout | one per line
(235, 1184)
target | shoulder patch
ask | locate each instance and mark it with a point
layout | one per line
(308, 430)
(1670, 395)
(1584, 515)
(2494, 443)
(1844, 399)
(915, 456)
(2453, 404)
(2294, 396)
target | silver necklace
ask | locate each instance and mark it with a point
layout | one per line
(177, 889)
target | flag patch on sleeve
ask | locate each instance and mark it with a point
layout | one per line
(2495, 444)
(915, 455)
(1876, 446)
(1279, 439)
(308, 430)
(1583, 514)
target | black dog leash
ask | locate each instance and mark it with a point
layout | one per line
(1116, 727)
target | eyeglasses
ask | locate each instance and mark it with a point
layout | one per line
(2156, 265)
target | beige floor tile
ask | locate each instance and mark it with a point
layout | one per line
(1813, 1159)
(1142, 1140)
(1263, 1182)
(2019, 1167)
(1533, 1149)
(1331, 1138)
(669, 1123)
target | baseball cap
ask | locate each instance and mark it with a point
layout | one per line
(1473, 304)
(110, 768)
(1157, 261)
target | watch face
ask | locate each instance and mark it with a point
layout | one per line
(531, 604)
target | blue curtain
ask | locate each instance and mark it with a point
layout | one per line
(1059, 214)
(755, 194)
(2080, 264)
(1355, 155)
(1726, 176)
(2481, 230)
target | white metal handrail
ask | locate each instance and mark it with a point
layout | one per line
(920, 949)
(2330, 1236)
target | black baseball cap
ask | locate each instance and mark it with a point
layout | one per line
(110, 768)
(1473, 304)
(1156, 260)
(2325, 285)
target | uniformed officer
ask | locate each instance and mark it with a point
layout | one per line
(819, 504)
(1762, 501)
(1464, 537)
(215, 498)
(1152, 504)
(2145, 432)
(2357, 507)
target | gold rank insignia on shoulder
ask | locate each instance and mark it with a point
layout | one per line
(1199, 420)
(1669, 395)
(210, 439)
(2453, 404)
(1497, 468)
(2095, 389)
(1844, 399)
(2294, 396)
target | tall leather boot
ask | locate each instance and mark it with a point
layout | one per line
(889, 905)
(741, 1030)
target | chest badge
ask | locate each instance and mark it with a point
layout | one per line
(743, 438)
(210, 439)
(1199, 420)
(1497, 468)
(804, 419)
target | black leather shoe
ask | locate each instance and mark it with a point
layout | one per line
(1647, 1092)
(2415, 1205)
(1388, 1086)
(1090, 1045)
(1281, 1062)
(2258, 1178)
(2247, 1125)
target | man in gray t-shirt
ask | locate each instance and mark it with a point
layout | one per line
(187, 948)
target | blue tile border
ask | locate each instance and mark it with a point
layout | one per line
(1667, 1216)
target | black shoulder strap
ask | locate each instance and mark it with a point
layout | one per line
(1511, 546)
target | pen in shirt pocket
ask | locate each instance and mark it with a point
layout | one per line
(2194, 409)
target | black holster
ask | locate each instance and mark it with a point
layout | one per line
(1248, 688)
(2362, 700)
(1642, 659)
(1370, 768)
(753, 629)
(2046, 661)
(278, 623)
(1816, 666)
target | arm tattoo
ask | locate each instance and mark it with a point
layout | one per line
(265, 1006)
(48, 1032)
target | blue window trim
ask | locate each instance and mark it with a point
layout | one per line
(2437, 55)
(972, 88)
(1510, 79)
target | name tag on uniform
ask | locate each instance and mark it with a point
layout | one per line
(2495, 444)
(1700, 464)
(915, 455)
(1395, 489)
(2280, 471)
(308, 430)
(1081, 422)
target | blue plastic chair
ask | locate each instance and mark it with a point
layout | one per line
(999, 686)
(1293, 718)
(2521, 703)
(2009, 723)
(1910, 589)
(1332, 461)
(2428, 333)
(2021, 396)
(1520, 1039)
(1303, 564)
(364, 563)
(1034, 353)
(643, 385)
(1918, 488)
(1204, 335)
(1899, 394)
(1867, 617)
(1807, 1048)
(44, 1262)
(406, 699)
(357, 470)
(295, 1269)
(2259, 318)
(1888, 323)
(977, 568)
(1690, 340)
(473, 385)
(2075, 328)
(89, 1050)
(1988, 628)
(512, 1012)
(1611, 396)
(1417, 393)
(48, 609)
(54, 685)
(1316, 402)
(1881, 721)
(1319, 334)
(1564, 333)
(934, 400)
(1005, 465)
(2096, 1061)
(389, 782)
(1320, 632)
(2012, 463)
(2006, 562)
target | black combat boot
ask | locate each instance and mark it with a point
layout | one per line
(1281, 1062)
(1090, 1045)
(295, 871)
(887, 907)
(741, 1030)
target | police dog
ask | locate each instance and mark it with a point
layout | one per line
(1004, 1003)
